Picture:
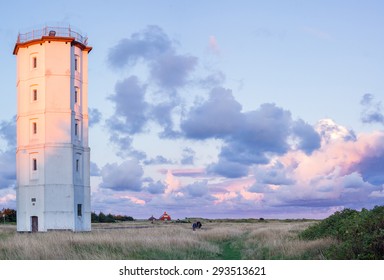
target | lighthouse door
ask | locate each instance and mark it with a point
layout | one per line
(35, 224)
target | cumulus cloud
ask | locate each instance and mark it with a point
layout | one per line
(212, 80)
(147, 44)
(371, 161)
(162, 114)
(228, 168)
(156, 187)
(130, 106)
(266, 159)
(217, 117)
(197, 189)
(188, 156)
(330, 131)
(7, 169)
(126, 176)
(94, 169)
(249, 137)
(154, 48)
(274, 174)
(158, 160)
(130, 116)
(372, 110)
(172, 70)
(155, 100)
(94, 116)
(8, 156)
(8, 132)
(309, 139)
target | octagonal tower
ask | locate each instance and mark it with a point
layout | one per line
(52, 155)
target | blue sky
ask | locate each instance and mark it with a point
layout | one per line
(220, 108)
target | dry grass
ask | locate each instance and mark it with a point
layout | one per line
(279, 241)
(162, 241)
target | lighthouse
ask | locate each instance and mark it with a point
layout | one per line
(52, 154)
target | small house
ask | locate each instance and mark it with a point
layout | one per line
(165, 217)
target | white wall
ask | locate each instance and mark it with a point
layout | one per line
(61, 180)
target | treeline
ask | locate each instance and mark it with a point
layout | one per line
(110, 218)
(359, 234)
(8, 215)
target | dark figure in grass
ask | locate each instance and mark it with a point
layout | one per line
(196, 225)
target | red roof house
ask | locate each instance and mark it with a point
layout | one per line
(165, 217)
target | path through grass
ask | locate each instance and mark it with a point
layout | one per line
(165, 241)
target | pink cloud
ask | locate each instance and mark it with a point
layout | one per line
(133, 199)
(213, 45)
(7, 198)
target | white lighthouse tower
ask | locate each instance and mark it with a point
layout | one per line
(52, 156)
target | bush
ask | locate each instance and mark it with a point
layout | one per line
(360, 234)
(102, 218)
(9, 215)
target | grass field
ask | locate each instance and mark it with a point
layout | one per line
(227, 240)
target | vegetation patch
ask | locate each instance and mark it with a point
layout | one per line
(359, 234)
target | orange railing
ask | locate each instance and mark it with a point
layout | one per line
(52, 31)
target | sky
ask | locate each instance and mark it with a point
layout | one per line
(220, 109)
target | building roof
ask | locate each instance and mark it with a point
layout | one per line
(48, 33)
(165, 216)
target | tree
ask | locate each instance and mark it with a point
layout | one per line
(10, 215)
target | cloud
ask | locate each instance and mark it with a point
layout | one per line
(188, 156)
(372, 110)
(147, 44)
(8, 132)
(171, 70)
(130, 116)
(228, 168)
(212, 80)
(155, 101)
(249, 137)
(156, 187)
(187, 172)
(154, 48)
(8, 199)
(217, 117)
(213, 45)
(94, 116)
(309, 139)
(371, 162)
(162, 114)
(130, 106)
(8, 156)
(94, 169)
(126, 176)
(7, 169)
(158, 160)
(330, 131)
(274, 174)
(197, 189)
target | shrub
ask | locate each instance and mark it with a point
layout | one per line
(360, 234)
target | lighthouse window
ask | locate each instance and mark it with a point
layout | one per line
(34, 62)
(77, 165)
(79, 210)
(76, 95)
(76, 63)
(34, 95)
(34, 128)
(34, 164)
(76, 129)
